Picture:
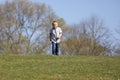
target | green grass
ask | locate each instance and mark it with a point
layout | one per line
(48, 67)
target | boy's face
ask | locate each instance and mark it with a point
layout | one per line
(55, 24)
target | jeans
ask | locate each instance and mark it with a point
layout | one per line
(55, 48)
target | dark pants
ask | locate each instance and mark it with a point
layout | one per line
(55, 48)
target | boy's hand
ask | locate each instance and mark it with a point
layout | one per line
(58, 37)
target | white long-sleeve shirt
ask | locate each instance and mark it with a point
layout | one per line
(54, 34)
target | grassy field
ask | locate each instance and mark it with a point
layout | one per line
(48, 67)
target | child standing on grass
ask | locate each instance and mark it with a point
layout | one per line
(55, 37)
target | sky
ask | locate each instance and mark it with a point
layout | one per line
(73, 11)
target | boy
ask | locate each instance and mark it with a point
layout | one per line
(55, 37)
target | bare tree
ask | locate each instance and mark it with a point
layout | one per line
(117, 45)
(87, 38)
(24, 25)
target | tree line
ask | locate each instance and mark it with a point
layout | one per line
(24, 28)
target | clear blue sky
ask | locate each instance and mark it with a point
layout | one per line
(73, 11)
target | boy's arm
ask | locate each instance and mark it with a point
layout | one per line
(50, 35)
(60, 33)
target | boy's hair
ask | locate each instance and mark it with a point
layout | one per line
(53, 22)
